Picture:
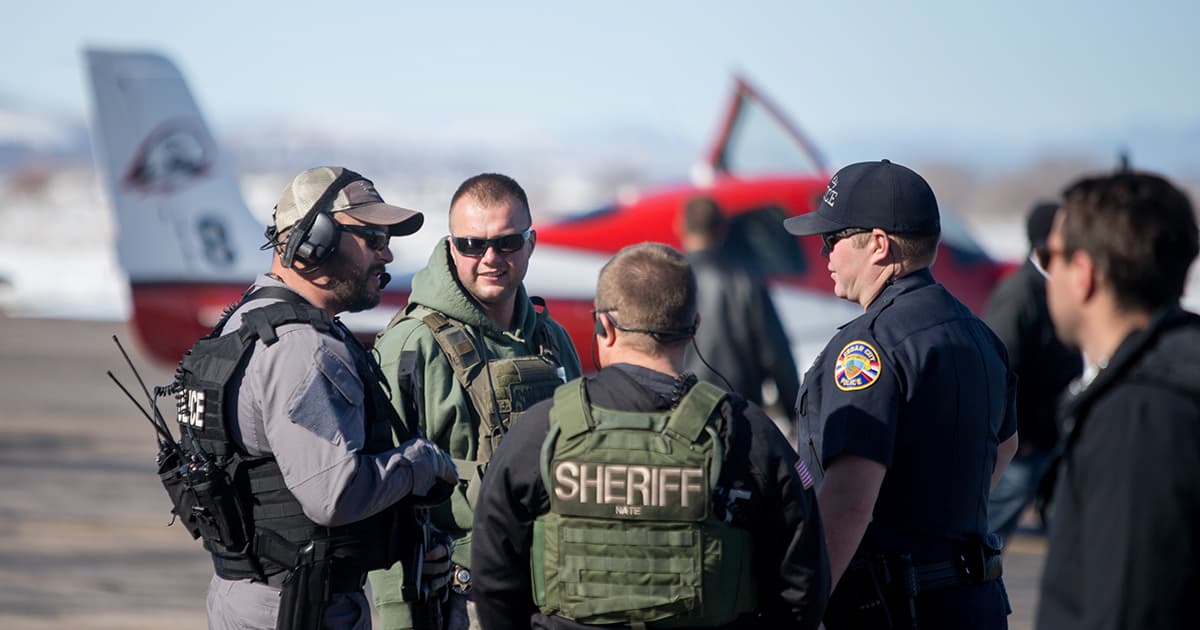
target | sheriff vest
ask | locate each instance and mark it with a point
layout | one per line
(621, 484)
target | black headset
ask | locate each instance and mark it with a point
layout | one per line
(315, 236)
(662, 336)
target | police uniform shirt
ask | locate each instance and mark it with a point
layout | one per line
(778, 507)
(919, 384)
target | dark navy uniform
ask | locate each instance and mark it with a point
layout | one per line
(921, 386)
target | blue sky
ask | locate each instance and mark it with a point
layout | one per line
(1021, 73)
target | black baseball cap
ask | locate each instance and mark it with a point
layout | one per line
(870, 195)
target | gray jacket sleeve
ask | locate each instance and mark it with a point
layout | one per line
(311, 404)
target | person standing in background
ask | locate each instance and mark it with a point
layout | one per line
(1044, 367)
(741, 337)
(1124, 542)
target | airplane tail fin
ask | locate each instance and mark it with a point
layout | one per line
(180, 216)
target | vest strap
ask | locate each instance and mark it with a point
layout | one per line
(567, 398)
(694, 411)
(453, 339)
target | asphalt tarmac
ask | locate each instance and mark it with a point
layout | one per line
(84, 535)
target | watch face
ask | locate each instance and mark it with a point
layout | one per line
(462, 579)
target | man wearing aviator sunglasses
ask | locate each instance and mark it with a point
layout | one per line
(483, 353)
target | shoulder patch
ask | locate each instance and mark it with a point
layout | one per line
(857, 366)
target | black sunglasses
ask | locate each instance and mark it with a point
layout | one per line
(374, 238)
(830, 239)
(476, 247)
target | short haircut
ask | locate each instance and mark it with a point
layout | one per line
(917, 251)
(1139, 230)
(490, 189)
(702, 216)
(649, 286)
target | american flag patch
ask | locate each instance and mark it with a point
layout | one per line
(805, 477)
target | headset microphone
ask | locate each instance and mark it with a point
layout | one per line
(710, 368)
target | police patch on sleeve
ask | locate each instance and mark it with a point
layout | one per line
(857, 366)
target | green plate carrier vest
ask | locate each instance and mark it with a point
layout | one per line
(499, 389)
(250, 521)
(630, 536)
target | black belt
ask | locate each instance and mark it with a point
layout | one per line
(958, 572)
(342, 579)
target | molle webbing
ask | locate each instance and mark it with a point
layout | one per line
(273, 523)
(631, 537)
(499, 389)
(456, 344)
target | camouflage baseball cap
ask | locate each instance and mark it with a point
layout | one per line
(358, 198)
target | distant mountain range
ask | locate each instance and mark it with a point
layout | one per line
(35, 136)
(599, 160)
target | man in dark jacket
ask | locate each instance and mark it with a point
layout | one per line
(740, 335)
(1125, 537)
(640, 495)
(1044, 367)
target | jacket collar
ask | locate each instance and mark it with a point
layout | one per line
(1131, 349)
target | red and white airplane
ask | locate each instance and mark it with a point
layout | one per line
(190, 246)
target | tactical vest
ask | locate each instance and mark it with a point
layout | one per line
(499, 389)
(630, 537)
(251, 523)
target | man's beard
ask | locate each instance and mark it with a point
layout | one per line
(352, 286)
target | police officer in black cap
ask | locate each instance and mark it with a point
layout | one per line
(916, 404)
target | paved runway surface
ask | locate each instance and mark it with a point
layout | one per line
(84, 541)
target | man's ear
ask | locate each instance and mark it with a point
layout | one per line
(880, 246)
(606, 332)
(532, 240)
(1087, 276)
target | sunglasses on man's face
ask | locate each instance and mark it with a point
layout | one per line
(1042, 257)
(476, 247)
(374, 238)
(829, 239)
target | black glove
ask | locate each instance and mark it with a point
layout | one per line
(438, 568)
